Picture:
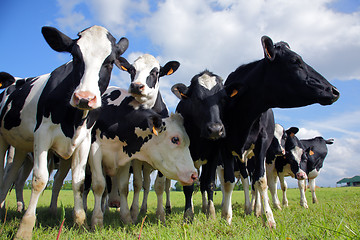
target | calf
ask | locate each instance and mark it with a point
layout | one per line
(55, 112)
(282, 79)
(201, 106)
(134, 132)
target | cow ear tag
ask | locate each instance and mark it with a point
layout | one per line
(123, 68)
(155, 131)
(170, 71)
(311, 152)
(234, 93)
(1, 85)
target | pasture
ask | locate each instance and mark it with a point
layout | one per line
(336, 216)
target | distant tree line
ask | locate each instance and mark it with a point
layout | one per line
(66, 186)
(179, 187)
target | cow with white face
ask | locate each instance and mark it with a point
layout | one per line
(135, 133)
(55, 112)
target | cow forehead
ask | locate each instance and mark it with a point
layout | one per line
(279, 130)
(207, 81)
(94, 43)
(146, 63)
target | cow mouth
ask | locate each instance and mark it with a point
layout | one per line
(335, 95)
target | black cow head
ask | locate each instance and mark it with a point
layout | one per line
(6, 80)
(94, 54)
(203, 101)
(145, 73)
(295, 154)
(291, 80)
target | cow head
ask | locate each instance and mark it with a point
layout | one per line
(291, 80)
(6, 80)
(204, 101)
(171, 156)
(94, 54)
(295, 154)
(145, 73)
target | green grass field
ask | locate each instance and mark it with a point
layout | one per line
(336, 216)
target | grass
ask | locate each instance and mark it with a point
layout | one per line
(336, 216)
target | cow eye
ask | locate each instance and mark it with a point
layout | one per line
(175, 140)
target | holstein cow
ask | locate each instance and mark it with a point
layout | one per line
(55, 112)
(201, 106)
(282, 79)
(135, 132)
(145, 73)
(284, 158)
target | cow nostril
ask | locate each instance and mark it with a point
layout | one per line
(194, 176)
(335, 92)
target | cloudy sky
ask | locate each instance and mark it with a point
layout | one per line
(216, 35)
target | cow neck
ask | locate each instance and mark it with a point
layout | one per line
(54, 100)
(160, 106)
(242, 111)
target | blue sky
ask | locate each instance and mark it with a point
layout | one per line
(217, 35)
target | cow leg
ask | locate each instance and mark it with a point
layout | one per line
(123, 175)
(255, 202)
(302, 188)
(244, 177)
(20, 182)
(283, 185)
(78, 165)
(114, 196)
(146, 186)
(207, 182)
(61, 173)
(312, 189)
(11, 173)
(272, 179)
(98, 183)
(189, 208)
(137, 185)
(3, 150)
(167, 192)
(39, 181)
(159, 190)
(204, 198)
(227, 189)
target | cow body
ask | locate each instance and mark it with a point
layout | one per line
(58, 112)
(201, 106)
(130, 134)
(282, 79)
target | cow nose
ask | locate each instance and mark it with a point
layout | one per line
(194, 176)
(216, 130)
(301, 176)
(137, 88)
(335, 93)
(84, 100)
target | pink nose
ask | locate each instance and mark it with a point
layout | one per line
(301, 176)
(84, 99)
(194, 176)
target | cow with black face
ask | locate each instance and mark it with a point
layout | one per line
(201, 105)
(55, 112)
(282, 79)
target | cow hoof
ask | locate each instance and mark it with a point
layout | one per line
(211, 210)
(168, 210)
(96, 222)
(143, 211)
(26, 226)
(272, 224)
(80, 218)
(188, 216)
(20, 207)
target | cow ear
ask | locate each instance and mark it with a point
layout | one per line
(123, 64)
(268, 46)
(122, 45)
(234, 89)
(180, 90)
(6, 80)
(292, 131)
(57, 40)
(156, 124)
(169, 68)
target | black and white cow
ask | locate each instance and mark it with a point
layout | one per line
(282, 79)
(201, 106)
(284, 158)
(134, 132)
(55, 112)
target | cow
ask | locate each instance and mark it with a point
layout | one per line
(284, 158)
(135, 132)
(201, 106)
(281, 79)
(54, 112)
(145, 74)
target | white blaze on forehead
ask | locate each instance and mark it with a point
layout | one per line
(207, 81)
(143, 65)
(297, 152)
(95, 47)
(279, 131)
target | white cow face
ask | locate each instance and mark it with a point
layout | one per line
(145, 73)
(94, 54)
(169, 152)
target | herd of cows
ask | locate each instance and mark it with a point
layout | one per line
(71, 116)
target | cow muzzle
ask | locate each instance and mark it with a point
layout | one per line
(301, 176)
(84, 100)
(215, 131)
(136, 88)
(191, 180)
